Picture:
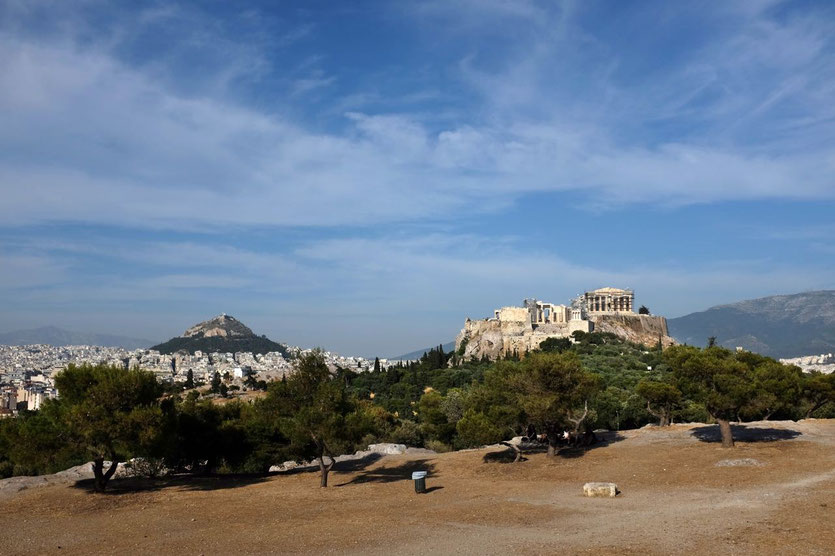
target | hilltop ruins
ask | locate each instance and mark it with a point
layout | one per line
(517, 330)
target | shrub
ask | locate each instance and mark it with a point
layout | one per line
(407, 433)
(475, 429)
(438, 446)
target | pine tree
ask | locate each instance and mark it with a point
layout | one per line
(189, 380)
(376, 364)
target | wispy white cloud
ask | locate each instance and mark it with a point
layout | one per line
(119, 139)
(510, 99)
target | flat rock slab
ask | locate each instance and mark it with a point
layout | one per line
(744, 462)
(600, 490)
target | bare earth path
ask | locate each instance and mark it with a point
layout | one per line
(675, 499)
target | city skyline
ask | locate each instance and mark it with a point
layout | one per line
(365, 178)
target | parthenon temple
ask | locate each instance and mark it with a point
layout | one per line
(520, 329)
(609, 300)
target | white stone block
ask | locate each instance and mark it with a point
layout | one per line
(600, 490)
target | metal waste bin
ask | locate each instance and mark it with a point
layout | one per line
(420, 481)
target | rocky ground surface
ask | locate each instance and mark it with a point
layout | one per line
(680, 492)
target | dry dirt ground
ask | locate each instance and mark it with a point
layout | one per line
(675, 499)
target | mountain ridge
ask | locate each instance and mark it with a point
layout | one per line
(56, 336)
(783, 326)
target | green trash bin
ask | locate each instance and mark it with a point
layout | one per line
(420, 481)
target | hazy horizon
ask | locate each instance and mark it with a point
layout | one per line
(365, 177)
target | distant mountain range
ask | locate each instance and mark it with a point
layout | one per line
(54, 336)
(777, 326)
(419, 353)
(223, 334)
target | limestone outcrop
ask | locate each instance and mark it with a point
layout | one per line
(493, 338)
(221, 325)
(640, 329)
(518, 330)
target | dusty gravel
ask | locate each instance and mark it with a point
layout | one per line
(674, 500)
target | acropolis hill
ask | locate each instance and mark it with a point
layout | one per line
(517, 330)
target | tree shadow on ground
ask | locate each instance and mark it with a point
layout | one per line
(508, 455)
(402, 472)
(218, 481)
(125, 485)
(356, 464)
(741, 433)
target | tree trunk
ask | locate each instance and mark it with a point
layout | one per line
(663, 415)
(727, 434)
(518, 451)
(814, 408)
(325, 469)
(552, 449)
(100, 476)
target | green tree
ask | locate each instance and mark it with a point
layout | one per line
(109, 412)
(777, 388)
(434, 424)
(376, 364)
(317, 414)
(818, 390)
(35, 443)
(189, 380)
(662, 399)
(716, 379)
(555, 344)
(215, 388)
(475, 429)
(408, 433)
(644, 310)
(552, 390)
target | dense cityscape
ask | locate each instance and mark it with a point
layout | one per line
(26, 372)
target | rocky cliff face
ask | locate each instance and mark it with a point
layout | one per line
(493, 338)
(641, 329)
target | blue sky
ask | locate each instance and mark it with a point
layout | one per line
(363, 176)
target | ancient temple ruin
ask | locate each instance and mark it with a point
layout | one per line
(609, 300)
(517, 330)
